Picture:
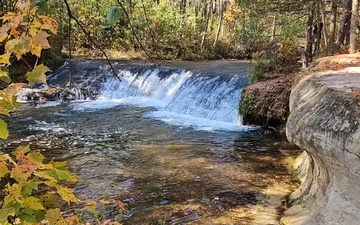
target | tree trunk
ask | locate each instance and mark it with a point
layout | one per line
(196, 13)
(318, 27)
(220, 21)
(353, 26)
(209, 10)
(183, 7)
(332, 29)
(273, 27)
(324, 20)
(309, 36)
(344, 31)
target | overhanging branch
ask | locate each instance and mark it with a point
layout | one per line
(89, 37)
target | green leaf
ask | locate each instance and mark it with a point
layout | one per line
(64, 174)
(4, 133)
(23, 148)
(29, 187)
(113, 15)
(37, 74)
(32, 203)
(4, 75)
(27, 215)
(36, 157)
(43, 6)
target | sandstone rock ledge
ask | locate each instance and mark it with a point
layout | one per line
(325, 122)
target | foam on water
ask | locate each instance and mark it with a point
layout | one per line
(179, 97)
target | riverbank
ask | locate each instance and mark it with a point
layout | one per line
(324, 122)
(266, 102)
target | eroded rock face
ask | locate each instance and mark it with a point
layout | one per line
(325, 122)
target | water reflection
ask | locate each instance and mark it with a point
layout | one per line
(166, 174)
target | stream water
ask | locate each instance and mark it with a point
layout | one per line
(168, 142)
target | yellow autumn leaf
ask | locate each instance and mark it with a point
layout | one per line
(33, 31)
(5, 157)
(72, 220)
(4, 32)
(5, 58)
(37, 74)
(36, 24)
(59, 165)
(15, 24)
(5, 213)
(23, 149)
(6, 97)
(36, 49)
(49, 24)
(40, 39)
(4, 75)
(3, 169)
(18, 46)
(5, 106)
(91, 205)
(67, 194)
(23, 170)
(14, 191)
(23, 5)
(36, 157)
(32, 203)
(4, 133)
(45, 175)
(53, 216)
(8, 16)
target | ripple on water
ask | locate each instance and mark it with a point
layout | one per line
(163, 173)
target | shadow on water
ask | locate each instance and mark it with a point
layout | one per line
(165, 174)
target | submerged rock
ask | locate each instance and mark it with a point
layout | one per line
(325, 122)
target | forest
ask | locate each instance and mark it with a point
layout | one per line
(36, 36)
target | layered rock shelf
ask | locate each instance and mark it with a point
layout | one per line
(324, 121)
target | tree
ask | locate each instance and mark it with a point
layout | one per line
(344, 31)
(25, 31)
(353, 26)
(332, 29)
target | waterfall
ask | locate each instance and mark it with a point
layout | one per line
(207, 94)
(210, 96)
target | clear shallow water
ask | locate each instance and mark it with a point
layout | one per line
(163, 172)
(168, 143)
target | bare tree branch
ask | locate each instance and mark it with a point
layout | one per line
(89, 37)
(133, 31)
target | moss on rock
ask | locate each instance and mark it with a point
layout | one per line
(266, 103)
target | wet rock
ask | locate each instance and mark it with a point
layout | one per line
(63, 94)
(325, 122)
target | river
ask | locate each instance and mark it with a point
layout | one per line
(167, 142)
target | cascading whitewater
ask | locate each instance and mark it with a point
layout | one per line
(209, 96)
